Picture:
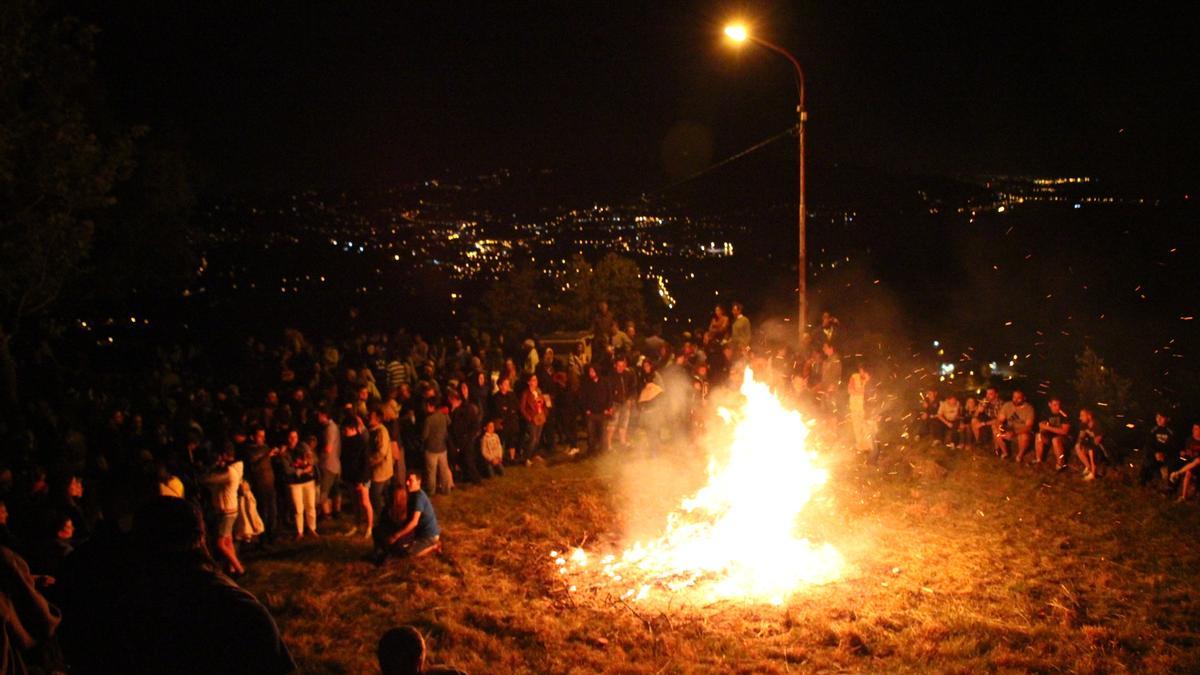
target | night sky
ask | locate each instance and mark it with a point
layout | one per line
(340, 94)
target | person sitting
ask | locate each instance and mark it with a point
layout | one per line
(927, 424)
(1016, 420)
(1191, 457)
(492, 451)
(1054, 432)
(1159, 453)
(986, 412)
(949, 417)
(420, 536)
(401, 651)
(1090, 444)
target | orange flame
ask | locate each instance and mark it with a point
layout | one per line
(735, 538)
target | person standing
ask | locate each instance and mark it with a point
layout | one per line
(596, 399)
(831, 378)
(330, 463)
(433, 439)
(356, 470)
(741, 330)
(506, 407)
(300, 465)
(856, 387)
(223, 482)
(260, 467)
(533, 410)
(380, 458)
(624, 391)
(464, 434)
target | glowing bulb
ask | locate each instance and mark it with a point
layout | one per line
(736, 32)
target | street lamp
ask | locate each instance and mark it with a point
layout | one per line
(739, 33)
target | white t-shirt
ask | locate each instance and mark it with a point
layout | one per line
(225, 489)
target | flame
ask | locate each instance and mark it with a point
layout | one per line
(736, 537)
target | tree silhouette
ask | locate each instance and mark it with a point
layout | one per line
(56, 171)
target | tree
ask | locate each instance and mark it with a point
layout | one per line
(618, 281)
(573, 302)
(1100, 388)
(141, 245)
(56, 172)
(510, 304)
(614, 279)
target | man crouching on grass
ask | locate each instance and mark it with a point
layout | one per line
(422, 525)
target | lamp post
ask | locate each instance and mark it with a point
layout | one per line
(738, 33)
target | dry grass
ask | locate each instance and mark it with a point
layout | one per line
(958, 564)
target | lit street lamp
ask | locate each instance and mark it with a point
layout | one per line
(738, 33)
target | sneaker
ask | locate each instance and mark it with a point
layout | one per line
(367, 534)
(1060, 467)
(352, 531)
(1089, 476)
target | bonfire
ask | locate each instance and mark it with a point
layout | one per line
(736, 538)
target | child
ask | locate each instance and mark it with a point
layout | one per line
(492, 450)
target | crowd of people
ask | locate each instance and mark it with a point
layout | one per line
(1013, 428)
(124, 498)
(358, 437)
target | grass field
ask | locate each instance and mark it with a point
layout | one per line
(956, 563)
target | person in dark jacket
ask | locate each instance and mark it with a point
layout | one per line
(177, 613)
(464, 437)
(596, 400)
(506, 407)
(260, 471)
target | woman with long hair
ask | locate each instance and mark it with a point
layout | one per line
(356, 470)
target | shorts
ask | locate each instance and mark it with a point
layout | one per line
(224, 524)
(377, 491)
(328, 484)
